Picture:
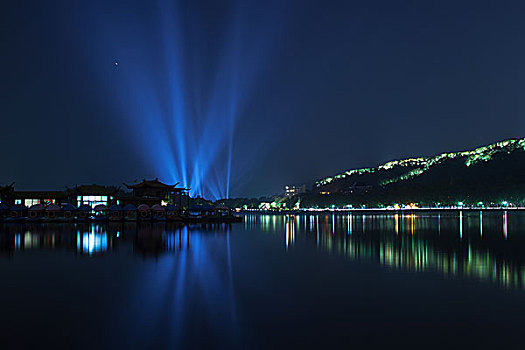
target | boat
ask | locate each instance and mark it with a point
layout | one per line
(36, 213)
(84, 213)
(115, 213)
(158, 212)
(67, 213)
(173, 213)
(224, 214)
(52, 213)
(144, 212)
(101, 213)
(199, 213)
(17, 213)
(130, 212)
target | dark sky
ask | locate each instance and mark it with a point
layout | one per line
(112, 91)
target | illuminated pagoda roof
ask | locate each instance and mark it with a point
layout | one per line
(155, 184)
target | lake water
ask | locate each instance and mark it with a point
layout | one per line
(273, 281)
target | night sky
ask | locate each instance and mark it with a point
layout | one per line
(263, 93)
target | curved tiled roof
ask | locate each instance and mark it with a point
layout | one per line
(154, 183)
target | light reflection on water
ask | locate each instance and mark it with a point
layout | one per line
(485, 246)
(99, 239)
(478, 245)
(271, 282)
(183, 269)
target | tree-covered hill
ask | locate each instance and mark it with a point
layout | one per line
(490, 173)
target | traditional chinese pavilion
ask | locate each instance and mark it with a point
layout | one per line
(153, 192)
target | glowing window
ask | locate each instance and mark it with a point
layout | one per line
(30, 202)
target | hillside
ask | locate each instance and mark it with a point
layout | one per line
(486, 173)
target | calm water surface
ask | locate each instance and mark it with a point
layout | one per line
(272, 281)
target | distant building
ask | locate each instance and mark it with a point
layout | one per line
(290, 191)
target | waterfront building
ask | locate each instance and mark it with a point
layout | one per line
(148, 192)
(10, 197)
(86, 194)
(153, 192)
(92, 195)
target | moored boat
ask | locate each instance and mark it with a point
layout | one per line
(67, 213)
(158, 212)
(224, 214)
(52, 213)
(173, 213)
(196, 213)
(130, 212)
(17, 213)
(36, 212)
(84, 213)
(101, 212)
(144, 212)
(115, 213)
